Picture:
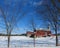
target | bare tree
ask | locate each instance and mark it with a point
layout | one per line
(51, 15)
(11, 20)
(32, 26)
(55, 4)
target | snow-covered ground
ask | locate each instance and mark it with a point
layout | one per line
(26, 42)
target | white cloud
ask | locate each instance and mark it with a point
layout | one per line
(38, 3)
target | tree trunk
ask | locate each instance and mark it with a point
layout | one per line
(8, 40)
(34, 40)
(56, 35)
(56, 40)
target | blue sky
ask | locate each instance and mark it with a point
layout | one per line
(27, 7)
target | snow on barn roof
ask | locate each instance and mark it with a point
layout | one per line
(43, 29)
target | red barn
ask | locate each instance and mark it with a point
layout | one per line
(29, 33)
(42, 33)
(39, 33)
